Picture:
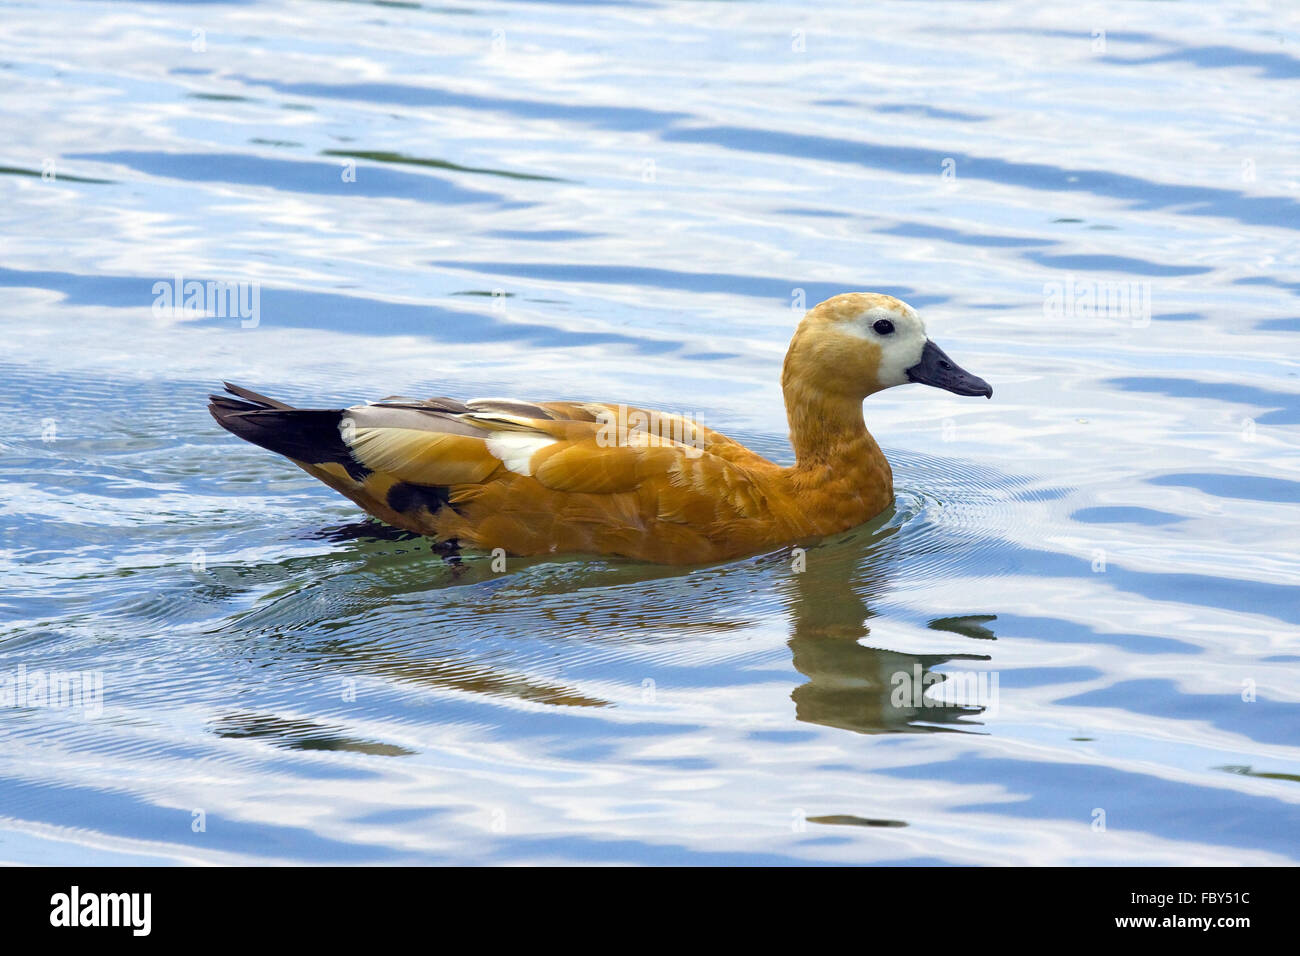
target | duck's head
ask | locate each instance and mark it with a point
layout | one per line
(862, 342)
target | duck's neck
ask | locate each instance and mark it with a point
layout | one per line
(840, 477)
(827, 428)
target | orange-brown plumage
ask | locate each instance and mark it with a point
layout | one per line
(574, 477)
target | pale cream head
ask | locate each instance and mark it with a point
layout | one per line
(863, 342)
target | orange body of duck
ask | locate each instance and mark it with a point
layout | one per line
(585, 477)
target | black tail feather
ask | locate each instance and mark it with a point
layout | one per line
(304, 434)
(252, 396)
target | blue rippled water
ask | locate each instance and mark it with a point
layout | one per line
(1096, 207)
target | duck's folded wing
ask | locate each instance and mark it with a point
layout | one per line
(564, 452)
(680, 428)
(417, 444)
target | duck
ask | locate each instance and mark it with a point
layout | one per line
(530, 478)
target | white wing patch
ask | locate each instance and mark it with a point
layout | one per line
(515, 450)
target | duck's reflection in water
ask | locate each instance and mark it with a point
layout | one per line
(411, 617)
(852, 685)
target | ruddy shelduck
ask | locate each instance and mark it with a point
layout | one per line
(589, 477)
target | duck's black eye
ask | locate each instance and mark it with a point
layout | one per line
(883, 326)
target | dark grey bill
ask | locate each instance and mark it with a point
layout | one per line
(935, 368)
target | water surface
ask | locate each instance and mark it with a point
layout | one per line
(1097, 570)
